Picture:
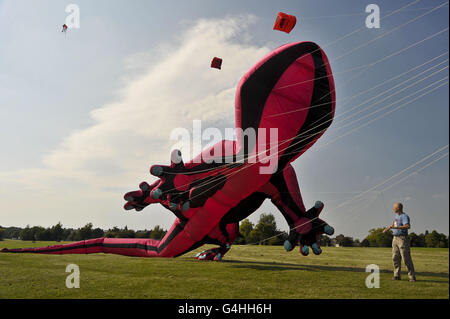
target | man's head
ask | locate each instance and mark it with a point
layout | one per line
(398, 208)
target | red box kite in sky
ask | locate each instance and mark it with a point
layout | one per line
(216, 63)
(285, 22)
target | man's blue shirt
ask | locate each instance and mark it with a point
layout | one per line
(401, 220)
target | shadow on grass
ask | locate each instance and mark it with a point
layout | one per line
(287, 266)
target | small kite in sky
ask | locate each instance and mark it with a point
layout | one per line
(285, 22)
(216, 63)
(64, 28)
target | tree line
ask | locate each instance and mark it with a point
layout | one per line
(264, 232)
(58, 233)
(377, 238)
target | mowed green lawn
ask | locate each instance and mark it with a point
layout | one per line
(246, 272)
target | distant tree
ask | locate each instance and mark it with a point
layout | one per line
(43, 234)
(73, 235)
(443, 241)
(344, 241)
(325, 240)
(278, 239)
(413, 239)
(97, 233)
(2, 233)
(143, 233)
(85, 232)
(421, 241)
(265, 229)
(57, 232)
(339, 238)
(66, 234)
(433, 239)
(38, 233)
(245, 228)
(26, 233)
(126, 233)
(240, 240)
(157, 233)
(417, 240)
(347, 242)
(377, 238)
(365, 243)
(113, 233)
(12, 232)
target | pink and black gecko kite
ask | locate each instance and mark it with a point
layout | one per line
(291, 89)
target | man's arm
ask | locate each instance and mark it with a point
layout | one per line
(388, 228)
(406, 226)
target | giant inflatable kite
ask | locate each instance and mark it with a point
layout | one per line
(291, 90)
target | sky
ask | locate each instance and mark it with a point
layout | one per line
(84, 114)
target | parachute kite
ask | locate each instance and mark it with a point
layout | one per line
(64, 28)
(292, 90)
(216, 63)
(285, 22)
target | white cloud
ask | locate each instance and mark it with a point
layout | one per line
(84, 178)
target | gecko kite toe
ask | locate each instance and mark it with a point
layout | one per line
(304, 250)
(156, 170)
(287, 245)
(319, 205)
(328, 230)
(316, 249)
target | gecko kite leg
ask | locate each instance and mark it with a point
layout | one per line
(305, 226)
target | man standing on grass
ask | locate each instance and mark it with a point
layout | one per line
(400, 243)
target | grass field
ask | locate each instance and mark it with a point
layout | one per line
(246, 272)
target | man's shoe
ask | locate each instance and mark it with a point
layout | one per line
(395, 278)
(412, 279)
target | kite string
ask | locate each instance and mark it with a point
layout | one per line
(372, 40)
(340, 115)
(347, 133)
(233, 173)
(383, 200)
(392, 30)
(358, 14)
(356, 105)
(344, 112)
(413, 19)
(361, 28)
(385, 114)
(401, 180)
(376, 38)
(364, 91)
(399, 27)
(389, 96)
(275, 154)
(372, 188)
(378, 61)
